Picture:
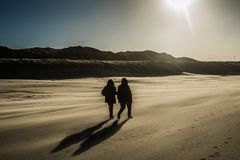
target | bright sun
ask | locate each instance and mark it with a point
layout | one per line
(183, 6)
(180, 4)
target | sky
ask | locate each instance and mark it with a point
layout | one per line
(204, 30)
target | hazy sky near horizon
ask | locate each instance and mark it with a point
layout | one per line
(209, 31)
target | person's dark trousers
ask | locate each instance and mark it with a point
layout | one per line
(129, 106)
(123, 106)
(110, 106)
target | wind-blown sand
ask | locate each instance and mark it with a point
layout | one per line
(189, 117)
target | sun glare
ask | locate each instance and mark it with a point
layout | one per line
(183, 6)
(180, 4)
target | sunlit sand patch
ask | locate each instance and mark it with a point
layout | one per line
(187, 114)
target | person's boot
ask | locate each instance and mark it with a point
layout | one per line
(129, 117)
(111, 116)
(119, 116)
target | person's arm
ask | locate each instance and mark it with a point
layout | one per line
(104, 91)
(118, 92)
(130, 93)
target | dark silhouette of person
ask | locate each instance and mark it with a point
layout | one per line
(109, 91)
(124, 98)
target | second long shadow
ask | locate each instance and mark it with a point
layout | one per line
(78, 137)
(100, 136)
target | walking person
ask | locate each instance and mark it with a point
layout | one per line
(125, 98)
(109, 91)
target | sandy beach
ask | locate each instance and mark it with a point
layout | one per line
(188, 117)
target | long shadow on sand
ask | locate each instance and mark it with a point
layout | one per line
(78, 137)
(99, 137)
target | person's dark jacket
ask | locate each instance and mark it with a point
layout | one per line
(109, 92)
(124, 94)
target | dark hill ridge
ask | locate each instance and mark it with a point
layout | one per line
(145, 55)
(80, 53)
(75, 62)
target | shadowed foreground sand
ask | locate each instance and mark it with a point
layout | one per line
(175, 118)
